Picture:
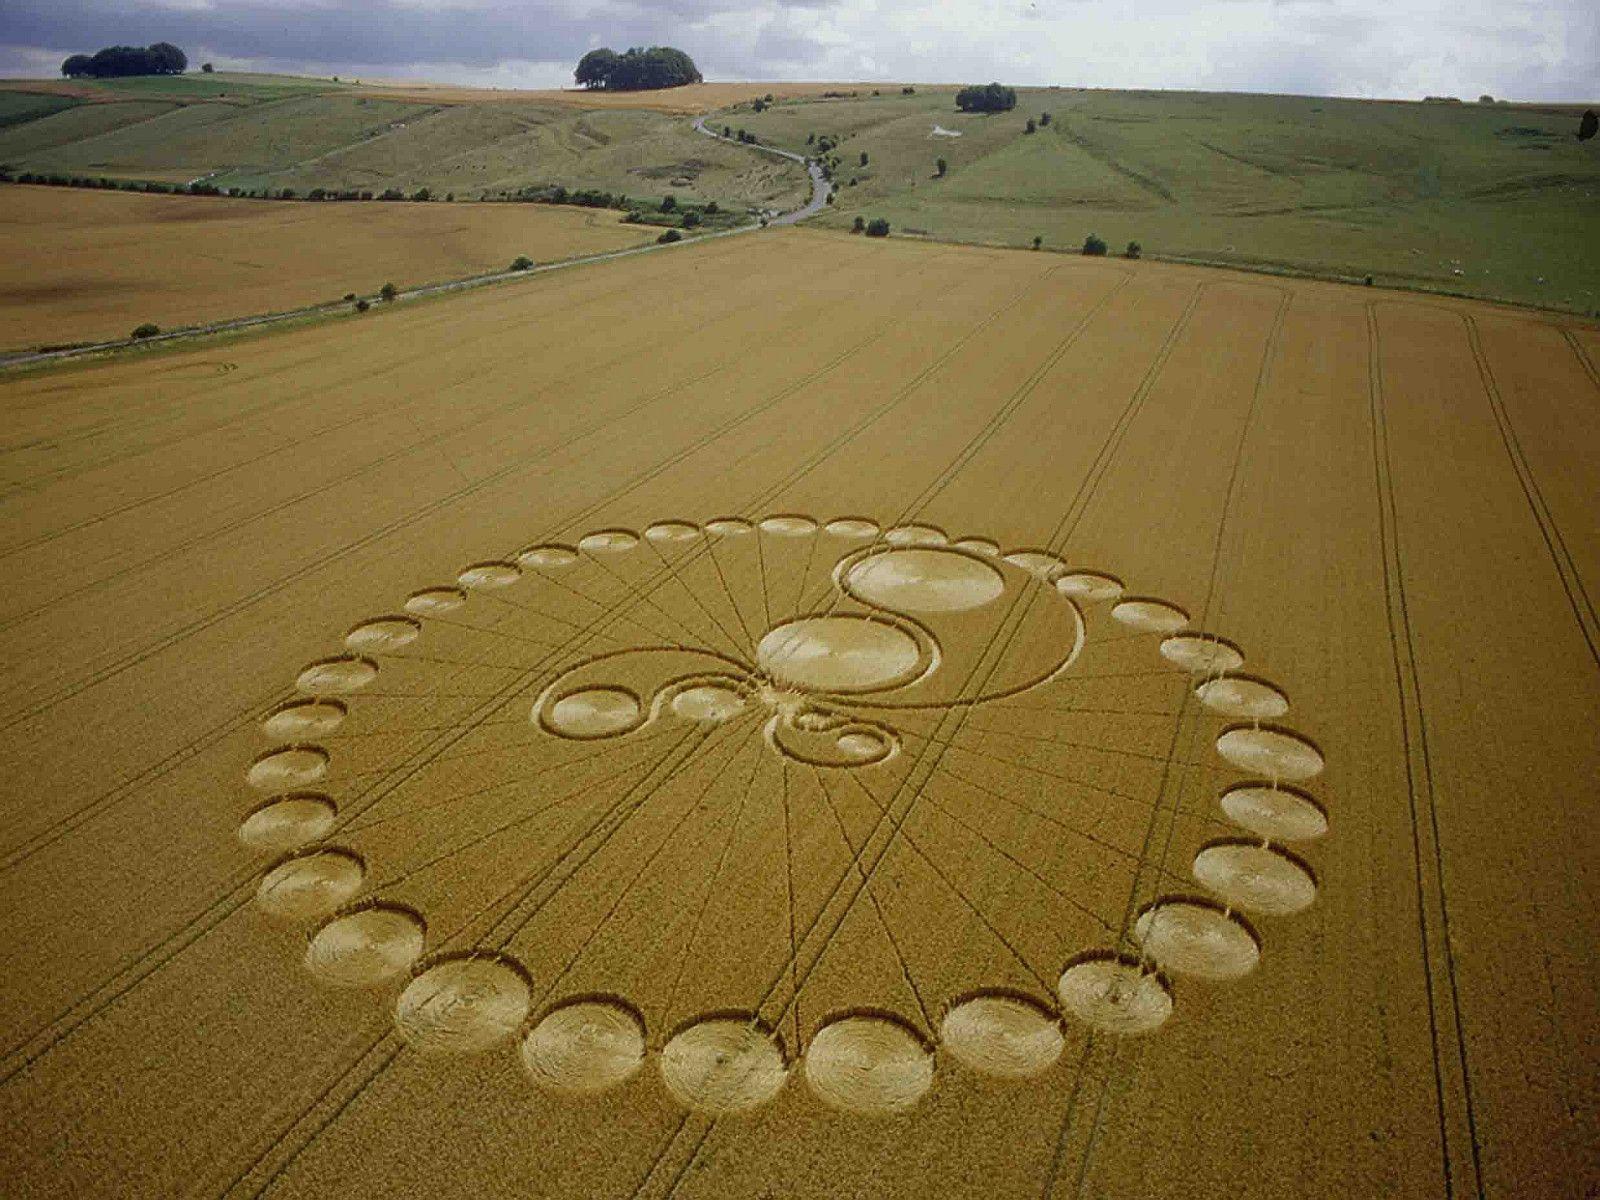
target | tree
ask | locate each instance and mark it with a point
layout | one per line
(422, 194)
(595, 68)
(638, 69)
(163, 58)
(860, 224)
(146, 330)
(1044, 119)
(691, 219)
(522, 263)
(1030, 126)
(877, 227)
(1588, 126)
(1134, 250)
(940, 167)
(1037, 241)
(863, 158)
(670, 236)
(1093, 245)
(363, 305)
(908, 91)
(1486, 99)
(990, 97)
(168, 59)
(208, 69)
(388, 291)
(669, 204)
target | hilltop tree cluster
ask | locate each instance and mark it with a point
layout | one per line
(988, 97)
(163, 58)
(636, 70)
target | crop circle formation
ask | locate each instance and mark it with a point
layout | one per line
(521, 804)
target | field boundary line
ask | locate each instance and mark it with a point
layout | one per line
(1420, 792)
(63, 475)
(427, 442)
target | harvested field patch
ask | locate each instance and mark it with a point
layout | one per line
(899, 720)
(81, 262)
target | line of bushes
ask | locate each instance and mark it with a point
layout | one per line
(533, 194)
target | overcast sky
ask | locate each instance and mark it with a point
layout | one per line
(1520, 49)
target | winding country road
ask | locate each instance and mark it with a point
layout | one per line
(820, 188)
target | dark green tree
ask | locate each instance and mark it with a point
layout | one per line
(989, 97)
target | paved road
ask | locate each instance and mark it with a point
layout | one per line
(820, 188)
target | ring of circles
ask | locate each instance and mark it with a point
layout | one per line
(827, 685)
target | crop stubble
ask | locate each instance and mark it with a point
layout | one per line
(1412, 577)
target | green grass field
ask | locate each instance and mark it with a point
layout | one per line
(262, 136)
(1486, 200)
(1490, 200)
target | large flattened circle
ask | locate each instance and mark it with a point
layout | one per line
(462, 1005)
(1115, 994)
(1256, 878)
(1002, 1035)
(918, 579)
(723, 1065)
(1192, 937)
(310, 885)
(367, 947)
(868, 1064)
(584, 1046)
(839, 654)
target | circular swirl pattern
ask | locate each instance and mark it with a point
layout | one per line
(718, 740)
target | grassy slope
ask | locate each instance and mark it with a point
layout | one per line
(262, 135)
(1409, 193)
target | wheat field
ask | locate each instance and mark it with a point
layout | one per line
(897, 720)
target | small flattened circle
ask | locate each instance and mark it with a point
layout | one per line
(367, 947)
(1275, 753)
(462, 1005)
(708, 702)
(1201, 654)
(304, 718)
(435, 602)
(978, 545)
(863, 746)
(852, 527)
(287, 767)
(1002, 1035)
(383, 633)
(1039, 563)
(1115, 994)
(1089, 586)
(336, 676)
(729, 526)
(1150, 616)
(1256, 878)
(1280, 813)
(310, 885)
(723, 1065)
(585, 1046)
(595, 713)
(608, 541)
(916, 535)
(921, 580)
(548, 555)
(1193, 937)
(1241, 696)
(838, 654)
(788, 525)
(489, 576)
(288, 822)
(869, 1064)
(672, 531)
